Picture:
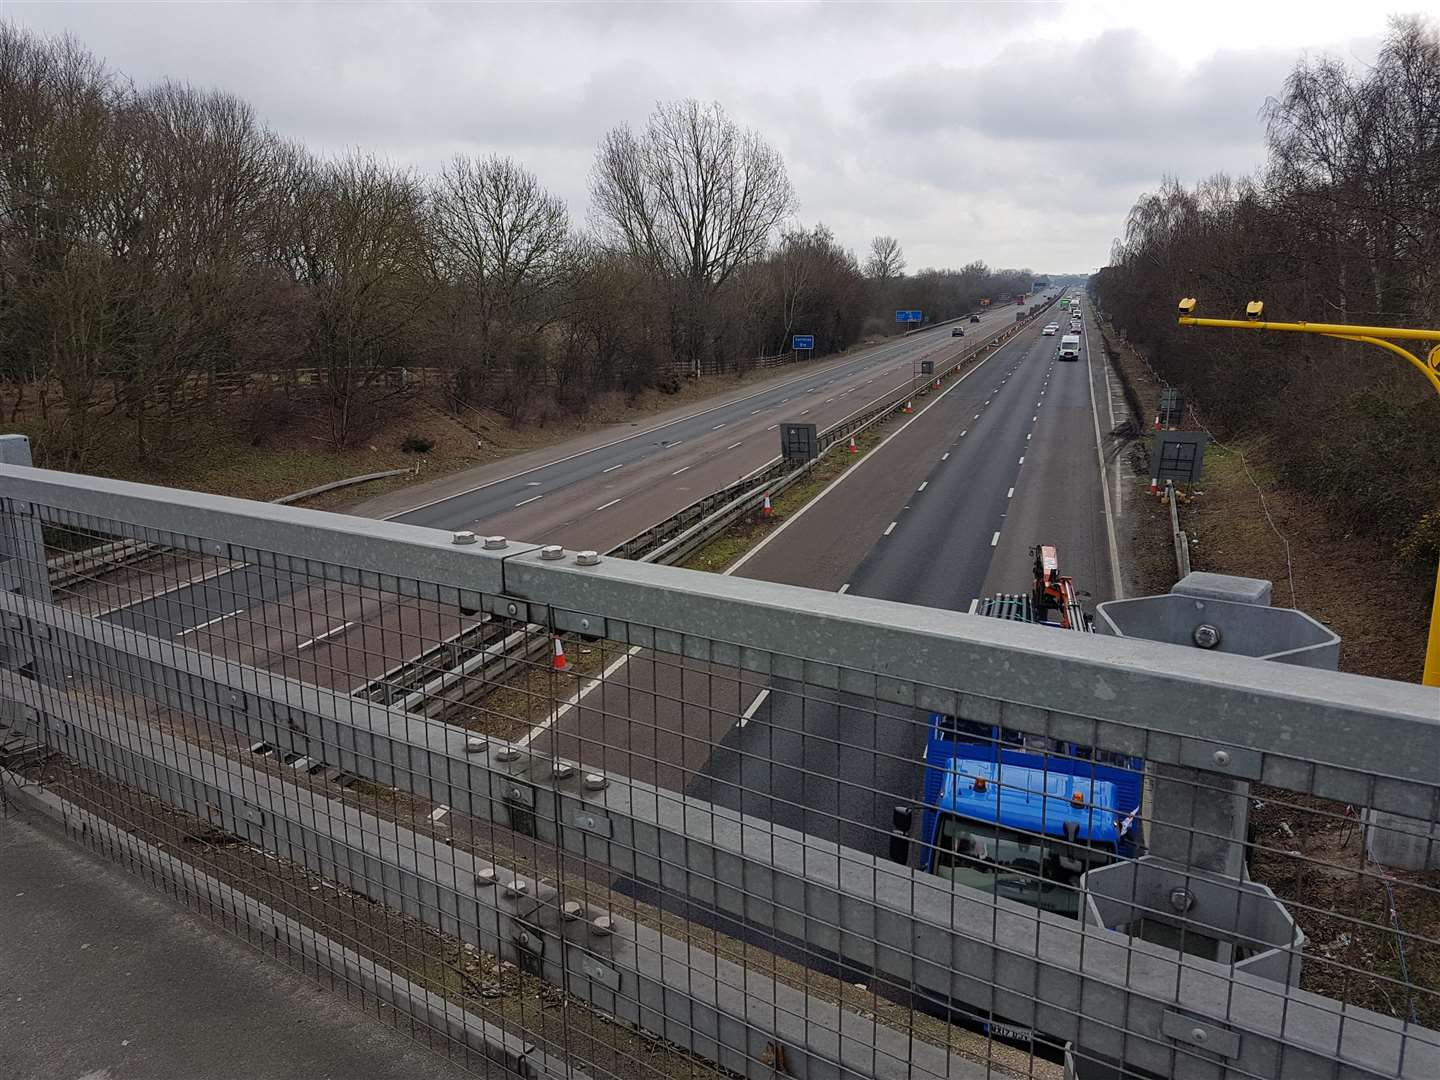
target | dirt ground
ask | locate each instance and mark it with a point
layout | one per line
(1373, 933)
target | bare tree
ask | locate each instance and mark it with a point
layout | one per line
(499, 240)
(363, 246)
(886, 261)
(695, 196)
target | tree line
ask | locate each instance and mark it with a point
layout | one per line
(166, 259)
(1342, 224)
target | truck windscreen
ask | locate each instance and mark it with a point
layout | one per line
(1041, 872)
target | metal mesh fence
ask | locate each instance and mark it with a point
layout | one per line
(630, 821)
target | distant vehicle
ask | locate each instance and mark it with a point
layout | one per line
(1069, 347)
(957, 332)
(1050, 329)
(974, 318)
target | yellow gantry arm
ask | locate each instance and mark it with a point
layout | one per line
(1385, 337)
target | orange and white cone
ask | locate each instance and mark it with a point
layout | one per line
(852, 447)
(937, 384)
(1157, 421)
(765, 510)
(907, 408)
(1154, 486)
(559, 663)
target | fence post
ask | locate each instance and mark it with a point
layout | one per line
(22, 544)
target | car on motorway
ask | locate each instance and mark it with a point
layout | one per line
(957, 332)
(1050, 329)
(974, 318)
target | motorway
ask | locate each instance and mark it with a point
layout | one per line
(591, 492)
(944, 512)
(965, 493)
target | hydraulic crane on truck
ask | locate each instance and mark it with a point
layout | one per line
(1052, 600)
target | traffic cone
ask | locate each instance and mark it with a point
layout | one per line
(1157, 421)
(937, 384)
(852, 447)
(559, 663)
(765, 510)
(907, 408)
(1154, 486)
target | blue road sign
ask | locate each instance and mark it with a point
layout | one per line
(915, 316)
(902, 316)
(803, 341)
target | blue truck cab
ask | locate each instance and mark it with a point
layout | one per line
(1023, 817)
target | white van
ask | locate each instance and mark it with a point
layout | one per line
(1069, 347)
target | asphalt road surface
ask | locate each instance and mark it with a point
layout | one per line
(944, 512)
(590, 492)
(1005, 461)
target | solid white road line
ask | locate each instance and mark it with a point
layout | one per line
(612, 468)
(526, 502)
(753, 707)
(890, 528)
(210, 622)
(327, 634)
(677, 472)
(605, 506)
(577, 697)
(995, 539)
(196, 580)
(640, 434)
(1104, 487)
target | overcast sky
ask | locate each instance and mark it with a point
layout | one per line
(1018, 133)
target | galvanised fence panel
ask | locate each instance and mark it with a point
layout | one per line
(740, 828)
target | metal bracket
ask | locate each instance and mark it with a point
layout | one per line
(530, 948)
(593, 968)
(520, 807)
(591, 822)
(1202, 1034)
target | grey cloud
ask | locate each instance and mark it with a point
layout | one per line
(955, 127)
(1113, 87)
